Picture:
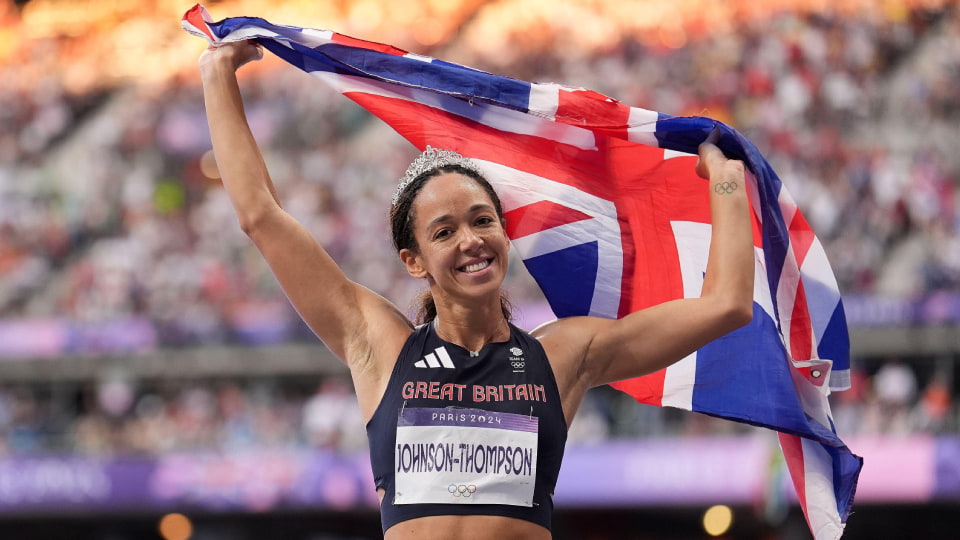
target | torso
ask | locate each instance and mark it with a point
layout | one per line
(513, 383)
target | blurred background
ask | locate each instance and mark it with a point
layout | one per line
(155, 383)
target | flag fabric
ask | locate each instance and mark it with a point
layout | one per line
(608, 215)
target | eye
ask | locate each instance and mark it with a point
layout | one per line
(484, 220)
(441, 234)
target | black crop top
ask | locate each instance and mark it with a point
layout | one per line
(458, 434)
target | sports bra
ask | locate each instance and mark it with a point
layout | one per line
(462, 433)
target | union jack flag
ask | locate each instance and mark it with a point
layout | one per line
(603, 205)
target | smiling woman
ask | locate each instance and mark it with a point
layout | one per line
(484, 227)
(467, 414)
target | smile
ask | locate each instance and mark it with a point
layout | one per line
(476, 267)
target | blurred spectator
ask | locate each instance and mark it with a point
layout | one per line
(331, 417)
(895, 385)
(850, 408)
(933, 410)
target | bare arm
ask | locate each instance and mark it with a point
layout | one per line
(360, 327)
(593, 351)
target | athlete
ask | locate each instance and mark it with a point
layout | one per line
(467, 414)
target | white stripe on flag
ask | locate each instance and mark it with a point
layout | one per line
(670, 154)
(544, 99)
(521, 189)
(820, 285)
(787, 297)
(761, 291)
(643, 124)
(243, 34)
(678, 381)
(822, 516)
(693, 245)
(420, 57)
(518, 189)
(315, 38)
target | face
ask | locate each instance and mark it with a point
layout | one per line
(462, 247)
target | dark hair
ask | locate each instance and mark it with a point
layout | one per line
(401, 226)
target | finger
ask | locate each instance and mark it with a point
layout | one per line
(701, 169)
(714, 136)
(708, 156)
(709, 145)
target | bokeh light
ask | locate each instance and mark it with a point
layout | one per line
(175, 527)
(717, 520)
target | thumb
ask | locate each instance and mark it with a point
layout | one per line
(250, 51)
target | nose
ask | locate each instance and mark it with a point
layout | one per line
(470, 241)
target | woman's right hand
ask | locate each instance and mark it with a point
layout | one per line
(233, 54)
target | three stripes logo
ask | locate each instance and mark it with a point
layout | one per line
(440, 359)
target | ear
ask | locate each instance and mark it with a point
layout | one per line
(411, 260)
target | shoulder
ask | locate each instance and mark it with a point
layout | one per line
(566, 342)
(379, 334)
(569, 331)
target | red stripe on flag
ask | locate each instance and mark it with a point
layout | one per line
(801, 331)
(369, 45)
(647, 389)
(422, 124)
(792, 447)
(670, 191)
(801, 237)
(194, 16)
(540, 216)
(590, 109)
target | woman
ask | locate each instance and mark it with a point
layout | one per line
(467, 415)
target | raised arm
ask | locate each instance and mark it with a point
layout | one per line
(360, 327)
(592, 351)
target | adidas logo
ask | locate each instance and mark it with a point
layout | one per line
(441, 359)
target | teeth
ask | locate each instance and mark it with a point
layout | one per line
(476, 267)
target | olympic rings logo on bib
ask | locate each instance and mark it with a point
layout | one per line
(461, 490)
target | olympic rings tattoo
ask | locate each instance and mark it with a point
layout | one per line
(725, 187)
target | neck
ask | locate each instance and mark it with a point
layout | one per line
(471, 328)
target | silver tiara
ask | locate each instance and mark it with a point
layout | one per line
(430, 159)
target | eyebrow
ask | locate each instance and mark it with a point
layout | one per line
(448, 217)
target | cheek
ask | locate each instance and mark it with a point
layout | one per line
(498, 237)
(436, 255)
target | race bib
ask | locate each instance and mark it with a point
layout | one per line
(465, 456)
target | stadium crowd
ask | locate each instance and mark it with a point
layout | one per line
(124, 416)
(110, 207)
